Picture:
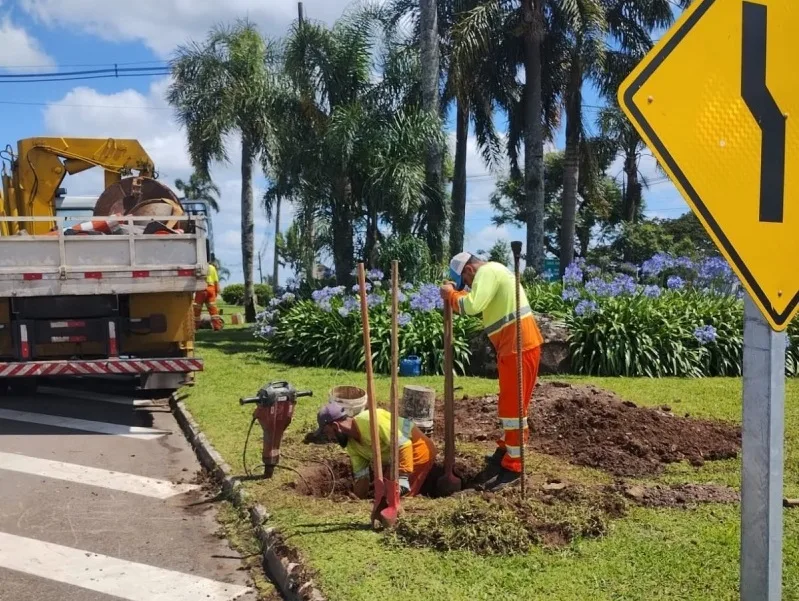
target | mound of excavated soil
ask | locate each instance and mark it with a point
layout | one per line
(592, 427)
(679, 495)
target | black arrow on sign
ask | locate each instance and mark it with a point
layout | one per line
(765, 110)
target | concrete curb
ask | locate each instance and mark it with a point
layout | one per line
(288, 575)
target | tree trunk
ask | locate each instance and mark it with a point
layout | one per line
(276, 262)
(458, 223)
(435, 209)
(247, 228)
(343, 246)
(310, 264)
(632, 192)
(534, 135)
(571, 164)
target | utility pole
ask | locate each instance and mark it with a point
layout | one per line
(300, 13)
(260, 268)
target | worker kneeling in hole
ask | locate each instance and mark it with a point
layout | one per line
(493, 293)
(417, 452)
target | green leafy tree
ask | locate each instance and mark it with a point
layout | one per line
(500, 252)
(199, 188)
(225, 86)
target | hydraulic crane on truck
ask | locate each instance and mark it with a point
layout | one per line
(115, 296)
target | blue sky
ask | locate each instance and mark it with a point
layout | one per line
(70, 34)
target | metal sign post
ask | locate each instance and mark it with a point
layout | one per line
(763, 429)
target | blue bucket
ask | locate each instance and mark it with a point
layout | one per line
(410, 367)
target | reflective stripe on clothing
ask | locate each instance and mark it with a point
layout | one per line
(509, 403)
(360, 451)
(493, 293)
(511, 423)
(506, 320)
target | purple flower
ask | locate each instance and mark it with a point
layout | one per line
(657, 264)
(400, 296)
(705, 334)
(374, 300)
(685, 263)
(623, 284)
(356, 288)
(343, 311)
(599, 287)
(407, 286)
(586, 307)
(375, 274)
(266, 331)
(288, 297)
(351, 303)
(573, 275)
(570, 294)
(404, 319)
(422, 303)
(652, 291)
(275, 301)
(675, 282)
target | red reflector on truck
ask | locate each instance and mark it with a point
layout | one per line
(185, 273)
(31, 276)
(56, 339)
(141, 274)
(93, 275)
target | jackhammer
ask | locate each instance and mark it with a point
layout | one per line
(275, 409)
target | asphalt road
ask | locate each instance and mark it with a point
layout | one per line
(101, 500)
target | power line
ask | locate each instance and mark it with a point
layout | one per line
(81, 65)
(114, 73)
(83, 106)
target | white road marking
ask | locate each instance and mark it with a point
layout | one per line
(96, 396)
(108, 575)
(91, 476)
(83, 424)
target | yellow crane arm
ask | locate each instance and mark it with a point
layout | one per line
(41, 164)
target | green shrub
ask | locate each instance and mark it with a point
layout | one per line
(233, 294)
(263, 294)
(327, 333)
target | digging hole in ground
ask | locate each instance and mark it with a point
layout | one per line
(592, 427)
(333, 478)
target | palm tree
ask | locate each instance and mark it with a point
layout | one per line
(431, 96)
(199, 188)
(357, 155)
(584, 28)
(224, 86)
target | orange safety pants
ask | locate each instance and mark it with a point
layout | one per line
(511, 442)
(424, 456)
(207, 297)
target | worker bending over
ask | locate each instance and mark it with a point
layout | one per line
(416, 451)
(208, 297)
(493, 293)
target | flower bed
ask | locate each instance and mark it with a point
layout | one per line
(676, 317)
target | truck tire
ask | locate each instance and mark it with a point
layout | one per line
(23, 386)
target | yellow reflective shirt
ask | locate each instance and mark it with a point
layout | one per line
(213, 277)
(493, 293)
(360, 451)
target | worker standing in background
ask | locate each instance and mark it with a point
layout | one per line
(208, 297)
(417, 453)
(493, 293)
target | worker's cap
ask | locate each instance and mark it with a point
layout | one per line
(456, 266)
(329, 413)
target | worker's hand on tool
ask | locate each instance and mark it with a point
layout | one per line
(404, 485)
(447, 290)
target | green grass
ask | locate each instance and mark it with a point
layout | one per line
(651, 554)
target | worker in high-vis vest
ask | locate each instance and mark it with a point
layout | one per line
(492, 292)
(208, 297)
(417, 452)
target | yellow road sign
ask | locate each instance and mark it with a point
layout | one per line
(717, 102)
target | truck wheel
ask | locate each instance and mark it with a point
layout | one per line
(23, 386)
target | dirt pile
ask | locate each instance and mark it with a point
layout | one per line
(592, 427)
(680, 495)
(330, 479)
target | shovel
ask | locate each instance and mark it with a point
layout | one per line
(449, 483)
(385, 509)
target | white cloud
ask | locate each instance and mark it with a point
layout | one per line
(20, 50)
(164, 24)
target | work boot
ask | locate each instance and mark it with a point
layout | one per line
(503, 479)
(495, 458)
